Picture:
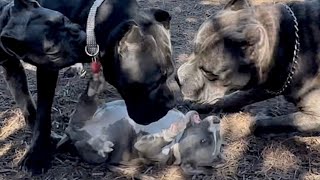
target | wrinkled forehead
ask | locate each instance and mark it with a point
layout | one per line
(218, 25)
(47, 15)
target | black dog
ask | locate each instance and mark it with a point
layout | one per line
(48, 40)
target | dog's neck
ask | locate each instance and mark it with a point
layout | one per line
(279, 25)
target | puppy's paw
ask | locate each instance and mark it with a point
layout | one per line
(107, 147)
(38, 161)
(74, 70)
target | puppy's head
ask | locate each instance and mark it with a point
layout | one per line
(231, 53)
(41, 36)
(139, 64)
(200, 145)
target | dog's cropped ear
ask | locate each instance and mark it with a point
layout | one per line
(254, 42)
(258, 50)
(12, 42)
(131, 40)
(161, 16)
(134, 35)
(116, 36)
(26, 4)
(236, 5)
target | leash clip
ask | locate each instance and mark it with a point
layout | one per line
(92, 51)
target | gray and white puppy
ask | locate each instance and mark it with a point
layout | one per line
(107, 134)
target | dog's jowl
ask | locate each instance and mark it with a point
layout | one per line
(48, 40)
(244, 54)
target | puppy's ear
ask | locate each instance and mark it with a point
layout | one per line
(25, 4)
(161, 16)
(193, 118)
(236, 5)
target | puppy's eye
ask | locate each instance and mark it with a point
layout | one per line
(203, 141)
(209, 75)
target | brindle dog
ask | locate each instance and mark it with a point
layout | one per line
(245, 54)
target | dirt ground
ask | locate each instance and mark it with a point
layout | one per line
(248, 157)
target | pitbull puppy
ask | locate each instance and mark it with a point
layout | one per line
(245, 54)
(49, 41)
(110, 135)
(135, 52)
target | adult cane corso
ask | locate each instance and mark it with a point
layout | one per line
(135, 51)
(48, 40)
(244, 54)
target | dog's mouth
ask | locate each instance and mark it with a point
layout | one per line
(54, 57)
(53, 53)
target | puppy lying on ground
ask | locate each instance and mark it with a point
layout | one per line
(107, 134)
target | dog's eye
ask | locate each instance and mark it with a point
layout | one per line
(209, 75)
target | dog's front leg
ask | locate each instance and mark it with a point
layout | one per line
(38, 158)
(232, 102)
(16, 79)
(237, 100)
(295, 122)
(307, 120)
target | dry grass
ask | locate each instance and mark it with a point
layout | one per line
(277, 157)
(5, 148)
(236, 126)
(10, 124)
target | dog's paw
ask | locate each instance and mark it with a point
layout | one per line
(36, 162)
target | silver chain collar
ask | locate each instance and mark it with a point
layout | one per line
(295, 55)
(92, 48)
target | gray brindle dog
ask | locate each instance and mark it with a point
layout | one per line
(245, 54)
